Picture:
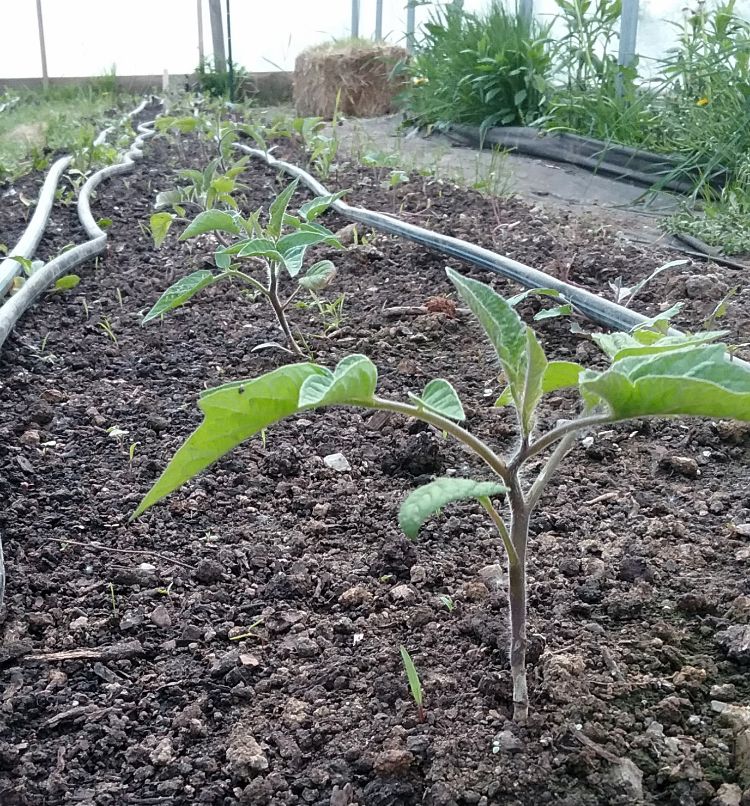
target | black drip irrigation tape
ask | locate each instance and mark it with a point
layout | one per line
(15, 307)
(622, 162)
(596, 308)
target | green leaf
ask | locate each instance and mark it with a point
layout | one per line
(412, 676)
(621, 345)
(557, 375)
(180, 292)
(318, 276)
(533, 388)
(67, 282)
(315, 208)
(160, 224)
(278, 209)
(169, 198)
(353, 381)
(305, 237)
(429, 498)
(257, 247)
(439, 396)
(554, 312)
(210, 221)
(223, 185)
(695, 381)
(502, 325)
(231, 414)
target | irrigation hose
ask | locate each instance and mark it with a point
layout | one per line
(28, 242)
(596, 308)
(593, 306)
(15, 307)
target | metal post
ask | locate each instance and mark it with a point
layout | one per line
(526, 10)
(628, 35)
(355, 19)
(229, 53)
(411, 9)
(217, 36)
(42, 48)
(378, 20)
(201, 51)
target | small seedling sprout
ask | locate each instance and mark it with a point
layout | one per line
(651, 374)
(415, 684)
(246, 241)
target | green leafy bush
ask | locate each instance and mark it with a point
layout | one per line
(488, 69)
(650, 375)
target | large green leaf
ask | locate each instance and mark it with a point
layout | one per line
(353, 381)
(502, 325)
(210, 221)
(231, 414)
(533, 387)
(312, 209)
(439, 396)
(698, 381)
(278, 209)
(621, 345)
(258, 247)
(180, 292)
(306, 237)
(428, 499)
(318, 276)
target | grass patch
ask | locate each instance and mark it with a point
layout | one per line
(35, 124)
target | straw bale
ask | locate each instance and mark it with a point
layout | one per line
(363, 74)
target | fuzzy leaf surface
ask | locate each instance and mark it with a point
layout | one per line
(557, 375)
(439, 396)
(278, 209)
(353, 381)
(696, 381)
(180, 292)
(429, 498)
(501, 323)
(210, 221)
(231, 414)
(318, 276)
(316, 207)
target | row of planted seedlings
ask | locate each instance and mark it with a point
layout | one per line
(650, 371)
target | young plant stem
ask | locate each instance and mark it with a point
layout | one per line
(519, 533)
(278, 308)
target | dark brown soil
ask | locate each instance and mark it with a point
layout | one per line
(240, 642)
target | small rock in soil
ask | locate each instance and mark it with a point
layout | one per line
(493, 576)
(506, 742)
(244, 754)
(739, 610)
(337, 462)
(735, 641)
(628, 779)
(684, 465)
(742, 529)
(160, 616)
(29, 438)
(163, 753)
(404, 594)
(475, 591)
(590, 591)
(569, 566)
(418, 574)
(690, 677)
(396, 556)
(727, 795)
(208, 571)
(355, 597)
(393, 762)
(726, 692)
(131, 619)
(632, 568)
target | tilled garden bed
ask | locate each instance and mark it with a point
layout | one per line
(239, 643)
